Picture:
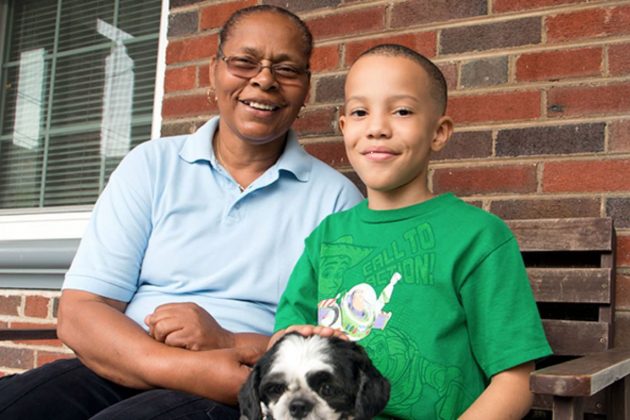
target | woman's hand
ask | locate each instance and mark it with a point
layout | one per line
(307, 330)
(187, 325)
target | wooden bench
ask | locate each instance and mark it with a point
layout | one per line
(571, 267)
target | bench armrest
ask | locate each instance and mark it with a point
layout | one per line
(584, 376)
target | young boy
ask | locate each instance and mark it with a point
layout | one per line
(433, 288)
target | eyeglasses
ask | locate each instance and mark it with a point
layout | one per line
(246, 67)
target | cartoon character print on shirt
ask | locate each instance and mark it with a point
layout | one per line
(358, 311)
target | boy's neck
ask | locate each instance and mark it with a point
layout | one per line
(397, 199)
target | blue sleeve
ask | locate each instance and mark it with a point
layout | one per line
(109, 258)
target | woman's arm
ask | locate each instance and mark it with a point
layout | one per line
(507, 397)
(116, 348)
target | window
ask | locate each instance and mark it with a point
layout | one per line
(78, 82)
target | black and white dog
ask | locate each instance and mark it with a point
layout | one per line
(313, 378)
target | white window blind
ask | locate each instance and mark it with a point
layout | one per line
(78, 79)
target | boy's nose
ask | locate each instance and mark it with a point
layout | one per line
(379, 128)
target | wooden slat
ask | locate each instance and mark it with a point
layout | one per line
(575, 285)
(28, 334)
(576, 338)
(584, 376)
(577, 234)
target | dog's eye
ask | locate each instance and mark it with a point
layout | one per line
(326, 390)
(274, 389)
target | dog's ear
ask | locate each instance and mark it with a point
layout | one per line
(248, 397)
(373, 391)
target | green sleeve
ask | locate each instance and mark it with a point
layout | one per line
(298, 304)
(504, 323)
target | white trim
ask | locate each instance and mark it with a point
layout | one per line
(160, 72)
(43, 226)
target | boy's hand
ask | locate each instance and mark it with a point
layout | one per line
(308, 330)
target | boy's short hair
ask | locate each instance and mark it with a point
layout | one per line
(439, 90)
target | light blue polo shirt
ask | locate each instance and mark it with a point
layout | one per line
(172, 226)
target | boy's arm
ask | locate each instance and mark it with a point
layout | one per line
(507, 397)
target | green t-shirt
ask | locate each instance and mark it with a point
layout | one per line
(437, 293)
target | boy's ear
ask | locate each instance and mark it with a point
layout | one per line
(442, 133)
(342, 122)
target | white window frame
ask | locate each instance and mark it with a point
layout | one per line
(36, 245)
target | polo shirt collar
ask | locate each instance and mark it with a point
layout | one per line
(198, 147)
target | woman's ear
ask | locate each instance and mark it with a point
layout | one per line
(211, 71)
(442, 133)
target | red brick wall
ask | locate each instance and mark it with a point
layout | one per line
(20, 309)
(539, 90)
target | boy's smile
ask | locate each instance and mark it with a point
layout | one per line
(390, 125)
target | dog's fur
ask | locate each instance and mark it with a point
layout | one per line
(313, 378)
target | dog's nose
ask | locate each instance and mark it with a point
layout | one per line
(299, 408)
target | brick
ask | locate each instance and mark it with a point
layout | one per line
(333, 153)
(622, 329)
(513, 33)
(170, 128)
(623, 250)
(619, 136)
(180, 78)
(591, 23)
(330, 89)
(17, 358)
(325, 58)
(320, 121)
(564, 64)
(486, 180)
(214, 16)
(619, 59)
(587, 176)
(589, 100)
(502, 6)
(44, 357)
(484, 72)
(619, 209)
(180, 24)
(466, 145)
(302, 6)
(449, 70)
(554, 140)
(55, 307)
(203, 75)
(486, 107)
(423, 42)
(173, 4)
(188, 105)
(348, 23)
(622, 292)
(9, 305)
(414, 12)
(191, 49)
(36, 306)
(546, 208)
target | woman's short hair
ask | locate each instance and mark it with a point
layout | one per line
(227, 28)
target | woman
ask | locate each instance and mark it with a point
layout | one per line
(192, 242)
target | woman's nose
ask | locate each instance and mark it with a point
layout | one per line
(265, 79)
